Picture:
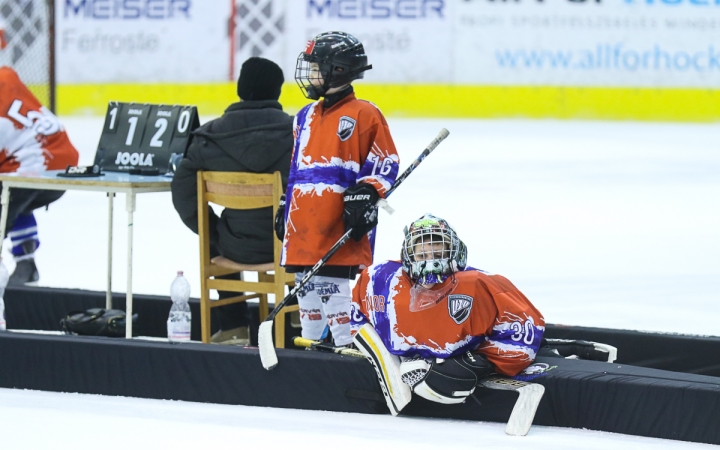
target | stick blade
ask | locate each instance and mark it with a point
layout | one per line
(523, 413)
(266, 345)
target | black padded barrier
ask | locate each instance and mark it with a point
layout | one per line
(34, 308)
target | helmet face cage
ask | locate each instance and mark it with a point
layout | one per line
(340, 59)
(432, 251)
(304, 73)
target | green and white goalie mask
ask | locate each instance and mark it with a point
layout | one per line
(431, 254)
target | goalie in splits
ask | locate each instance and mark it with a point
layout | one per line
(434, 326)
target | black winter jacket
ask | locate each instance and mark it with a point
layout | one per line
(251, 136)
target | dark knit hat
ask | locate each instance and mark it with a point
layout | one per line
(260, 79)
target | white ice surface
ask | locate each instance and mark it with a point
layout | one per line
(600, 224)
(46, 420)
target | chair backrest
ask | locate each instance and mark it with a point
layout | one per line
(237, 190)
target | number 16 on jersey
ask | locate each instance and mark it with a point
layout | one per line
(143, 135)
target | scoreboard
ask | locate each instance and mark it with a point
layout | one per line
(139, 136)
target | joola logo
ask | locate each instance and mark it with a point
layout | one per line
(345, 128)
(134, 159)
(459, 307)
(353, 198)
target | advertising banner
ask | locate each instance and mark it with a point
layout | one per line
(142, 41)
(623, 43)
(407, 41)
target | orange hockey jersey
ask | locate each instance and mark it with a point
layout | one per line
(346, 144)
(485, 313)
(31, 136)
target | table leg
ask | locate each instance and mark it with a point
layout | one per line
(4, 202)
(108, 293)
(130, 198)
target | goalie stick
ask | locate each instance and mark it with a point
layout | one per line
(523, 412)
(268, 356)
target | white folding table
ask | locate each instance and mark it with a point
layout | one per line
(110, 183)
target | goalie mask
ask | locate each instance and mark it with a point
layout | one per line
(332, 59)
(432, 253)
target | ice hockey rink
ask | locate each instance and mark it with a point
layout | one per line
(604, 224)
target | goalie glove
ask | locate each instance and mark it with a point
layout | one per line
(360, 212)
(280, 219)
(446, 381)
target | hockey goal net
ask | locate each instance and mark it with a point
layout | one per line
(30, 45)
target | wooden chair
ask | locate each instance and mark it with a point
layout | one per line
(239, 190)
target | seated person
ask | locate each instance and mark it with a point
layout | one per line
(436, 326)
(32, 139)
(253, 135)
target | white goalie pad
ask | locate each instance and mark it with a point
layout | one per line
(387, 366)
(603, 348)
(612, 351)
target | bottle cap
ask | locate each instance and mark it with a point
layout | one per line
(179, 272)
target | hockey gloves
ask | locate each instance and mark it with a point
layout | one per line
(361, 212)
(445, 380)
(280, 219)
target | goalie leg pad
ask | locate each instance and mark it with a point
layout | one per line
(387, 366)
(577, 349)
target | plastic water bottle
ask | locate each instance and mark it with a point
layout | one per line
(4, 277)
(178, 323)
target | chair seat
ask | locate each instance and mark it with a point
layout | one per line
(230, 264)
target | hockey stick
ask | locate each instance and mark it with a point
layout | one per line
(523, 412)
(317, 345)
(268, 356)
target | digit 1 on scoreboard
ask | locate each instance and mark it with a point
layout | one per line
(111, 119)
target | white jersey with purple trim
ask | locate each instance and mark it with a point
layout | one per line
(483, 312)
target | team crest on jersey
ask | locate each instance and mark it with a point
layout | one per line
(459, 307)
(346, 128)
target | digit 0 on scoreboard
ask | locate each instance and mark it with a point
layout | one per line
(144, 136)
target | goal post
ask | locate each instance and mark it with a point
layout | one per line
(30, 45)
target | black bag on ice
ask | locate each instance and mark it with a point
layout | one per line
(96, 322)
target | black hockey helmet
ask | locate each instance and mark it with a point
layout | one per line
(340, 58)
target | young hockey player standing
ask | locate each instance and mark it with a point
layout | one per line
(451, 324)
(344, 160)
